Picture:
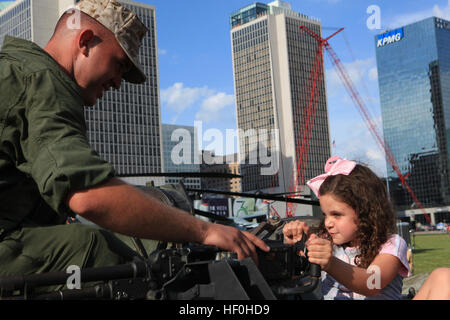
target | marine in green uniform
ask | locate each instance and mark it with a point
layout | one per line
(48, 170)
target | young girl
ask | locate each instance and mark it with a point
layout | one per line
(356, 246)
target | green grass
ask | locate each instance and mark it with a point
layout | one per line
(431, 251)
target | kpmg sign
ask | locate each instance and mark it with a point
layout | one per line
(390, 37)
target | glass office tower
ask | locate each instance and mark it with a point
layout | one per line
(273, 60)
(414, 79)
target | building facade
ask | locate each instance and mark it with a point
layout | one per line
(32, 20)
(414, 80)
(222, 165)
(179, 151)
(272, 62)
(124, 127)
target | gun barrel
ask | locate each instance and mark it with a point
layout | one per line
(137, 268)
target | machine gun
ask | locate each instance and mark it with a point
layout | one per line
(192, 272)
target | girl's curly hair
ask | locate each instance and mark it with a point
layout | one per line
(366, 194)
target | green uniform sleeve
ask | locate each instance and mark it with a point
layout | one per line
(58, 153)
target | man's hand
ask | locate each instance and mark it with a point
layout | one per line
(320, 251)
(122, 208)
(232, 239)
(293, 231)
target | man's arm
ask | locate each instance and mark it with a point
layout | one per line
(121, 208)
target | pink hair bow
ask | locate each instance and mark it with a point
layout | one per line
(334, 166)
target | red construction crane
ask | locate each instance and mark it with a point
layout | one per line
(304, 136)
(323, 43)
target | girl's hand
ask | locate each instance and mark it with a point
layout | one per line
(294, 230)
(320, 251)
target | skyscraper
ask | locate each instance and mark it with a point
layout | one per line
(179, 151)
(221, 165)
(272, 61)
(414, 80)
(124, 127)
(33, 20)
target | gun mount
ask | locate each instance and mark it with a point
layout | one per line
(193, 272)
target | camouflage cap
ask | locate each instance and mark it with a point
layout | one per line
(125, 25)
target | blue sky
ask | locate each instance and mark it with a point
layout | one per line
(195, 65)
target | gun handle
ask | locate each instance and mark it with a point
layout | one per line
(315, 270)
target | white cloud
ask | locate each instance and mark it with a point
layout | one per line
(212, 107)
(178, 98)
(373, 74)
(354, 141)
(442, 13)
(359, 68)
(162, 52)
(363, 75)
(408, 18)
(374, 154)
(358, 71)
(328, 1)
